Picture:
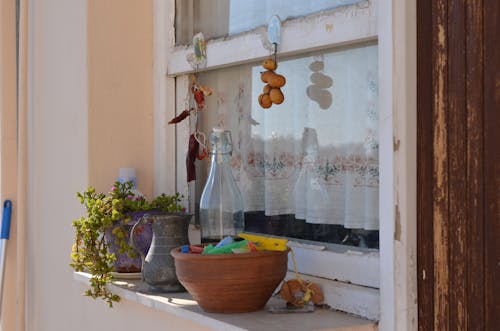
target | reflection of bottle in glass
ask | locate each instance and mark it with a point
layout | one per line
(221, 204)
(312, 200)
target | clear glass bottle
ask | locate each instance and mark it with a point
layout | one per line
(221, 204)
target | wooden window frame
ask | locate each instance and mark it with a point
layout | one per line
(396, 264)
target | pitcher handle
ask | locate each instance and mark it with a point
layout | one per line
(132, 242)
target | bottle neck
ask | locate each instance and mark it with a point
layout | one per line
(220, 158)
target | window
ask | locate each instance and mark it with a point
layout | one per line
(307, 168)
(310, 136)
(236, 16)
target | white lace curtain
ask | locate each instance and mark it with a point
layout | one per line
(315, 155)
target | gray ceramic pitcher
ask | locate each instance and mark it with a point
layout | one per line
(158, 267)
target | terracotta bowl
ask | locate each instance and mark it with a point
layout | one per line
(231, 283)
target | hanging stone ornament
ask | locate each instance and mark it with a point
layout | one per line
(271, 93)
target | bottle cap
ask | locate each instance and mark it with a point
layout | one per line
(220, 141)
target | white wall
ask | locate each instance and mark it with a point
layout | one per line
(57, 153)
(58, 167)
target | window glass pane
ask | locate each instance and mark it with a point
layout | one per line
(307, 168)
(219, 18)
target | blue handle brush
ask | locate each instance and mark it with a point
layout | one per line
(4, 236)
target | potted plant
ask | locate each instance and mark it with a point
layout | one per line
(102, 235)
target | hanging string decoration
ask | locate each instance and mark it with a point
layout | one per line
(197, 145)
(271, 93)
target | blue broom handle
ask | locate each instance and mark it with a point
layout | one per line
(7, 211)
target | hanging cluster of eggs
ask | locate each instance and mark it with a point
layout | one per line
(272, 90)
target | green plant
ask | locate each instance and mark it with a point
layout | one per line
(90, 251)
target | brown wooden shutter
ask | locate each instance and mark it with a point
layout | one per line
(458, 164)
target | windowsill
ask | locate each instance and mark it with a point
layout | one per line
(182, 305)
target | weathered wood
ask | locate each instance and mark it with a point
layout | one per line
(460, 208)
(440, 177)
(491, 30)
(425, 198)
(457, 171)
(475, 158)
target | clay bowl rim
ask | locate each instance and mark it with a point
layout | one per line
(177, 254)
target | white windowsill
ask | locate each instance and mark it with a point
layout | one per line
(182, 305)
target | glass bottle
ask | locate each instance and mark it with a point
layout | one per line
(221, 204)
(128, 175)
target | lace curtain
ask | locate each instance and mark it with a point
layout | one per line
(315, 155)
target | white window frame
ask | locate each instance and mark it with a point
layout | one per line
(393, 271)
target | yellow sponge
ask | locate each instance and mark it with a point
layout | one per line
(265, 243)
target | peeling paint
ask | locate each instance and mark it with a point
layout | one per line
(440, 171)
(396, 143)
(397, 223)
(441, 35)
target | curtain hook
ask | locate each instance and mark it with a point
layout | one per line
(274, 33)
(275, 52)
